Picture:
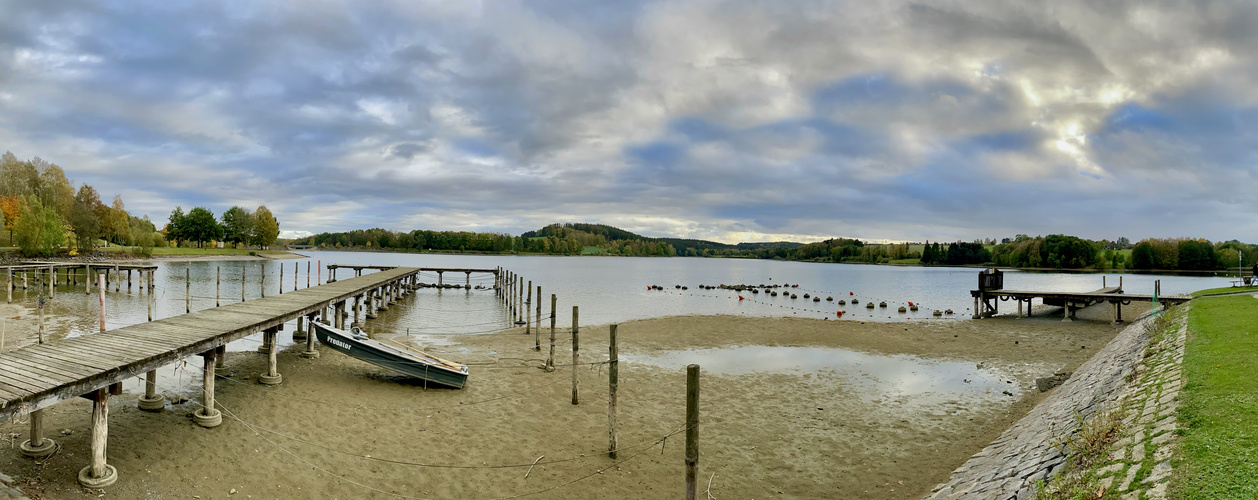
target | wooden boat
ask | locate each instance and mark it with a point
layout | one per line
(399, 358)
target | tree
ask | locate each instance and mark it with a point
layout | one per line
(238, 226)
(268, 229)
(55, 191)
(200, 226)
(17, 178)
(11, 208)
(175, 226)
(84, 218)
(116, 224)
(39, 229)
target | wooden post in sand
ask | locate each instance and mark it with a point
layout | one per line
(528, 320)
(187, 290)
(262, 281)
(550, 362)
(307, 274)
(37, 446)
(576, 355)
(218, 285)
(692, 430)
(537, 332)
(613, 382)
(272, 376)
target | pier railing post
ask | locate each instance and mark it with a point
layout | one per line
(692, 430)
(101, 296)
(99, 474)
(576, 356)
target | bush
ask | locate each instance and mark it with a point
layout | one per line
(251, 252)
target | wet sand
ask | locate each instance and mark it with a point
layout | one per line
(340, 428)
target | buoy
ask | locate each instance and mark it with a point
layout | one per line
(937, 312)
(842, 302)
(910, 303)
(947, 311)
(806, 296)
(740, 297)
(839, 313)
(913, 307)
(793, 296)
(851, 293)
(816, 299)
(903, 309)
(829, 299)
(869, 305)
(882, 304)
(855, 301)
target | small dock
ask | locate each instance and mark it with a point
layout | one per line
(48, 274)
(991, 292)
(94, 366)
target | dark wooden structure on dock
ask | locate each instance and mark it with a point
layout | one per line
(991, 292)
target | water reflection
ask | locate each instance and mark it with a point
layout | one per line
(874, 377)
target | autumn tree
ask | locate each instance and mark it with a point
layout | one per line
(268, 229)
(17, 178)
(55, 190)
(11, 209)
(115, 226)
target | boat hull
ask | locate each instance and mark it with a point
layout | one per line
(389, 357)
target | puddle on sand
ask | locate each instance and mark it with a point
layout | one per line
(875, 378)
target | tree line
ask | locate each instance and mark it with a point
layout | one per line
(238, 226)
(45, 214)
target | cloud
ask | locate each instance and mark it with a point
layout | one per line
(721, 119)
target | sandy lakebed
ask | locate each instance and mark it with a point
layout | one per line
(340, 428)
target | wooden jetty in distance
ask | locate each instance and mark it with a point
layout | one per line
(48, 274)
(991, 292)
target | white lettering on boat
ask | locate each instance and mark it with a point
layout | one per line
(339, 343)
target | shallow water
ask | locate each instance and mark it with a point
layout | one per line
(874, 377)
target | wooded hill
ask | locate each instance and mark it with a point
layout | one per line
(1055, 251)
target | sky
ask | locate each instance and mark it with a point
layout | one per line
(722, 120)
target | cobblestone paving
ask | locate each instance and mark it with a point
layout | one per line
(1140, 462)
(1008, 467)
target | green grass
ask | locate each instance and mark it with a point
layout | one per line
(1219, 412)
(914, 262)
(1226, 289)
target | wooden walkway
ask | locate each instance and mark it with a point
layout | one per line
(985, 301)
(39, 376)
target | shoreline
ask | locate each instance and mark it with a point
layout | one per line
(809, 433)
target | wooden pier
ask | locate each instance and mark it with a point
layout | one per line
(991, 292)
(93, 366)
(48, 274)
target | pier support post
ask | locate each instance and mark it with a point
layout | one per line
(978, 299)
(537, 332)
(1069, 314)
(371, 305)
(310, 352)
(272, 376)
(439, 280)
(187, 289)
(37, 446)
(382, 297)
(99, 474)
(357, 307)
(467, 281)
(151, 401)
(300, 332)
(1118, 312)
(218, 285)
(528, 324)
(338, 320)
(208, 416)
(220, 360)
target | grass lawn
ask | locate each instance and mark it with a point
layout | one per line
(211, 251)
(1219, 411)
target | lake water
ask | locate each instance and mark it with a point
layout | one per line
(606, 289)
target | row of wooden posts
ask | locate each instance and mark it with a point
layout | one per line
(510, 290)
(48, 275)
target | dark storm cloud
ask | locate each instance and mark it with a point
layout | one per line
(719, 119)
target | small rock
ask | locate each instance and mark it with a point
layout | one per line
(66, 432)
(232, 492)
